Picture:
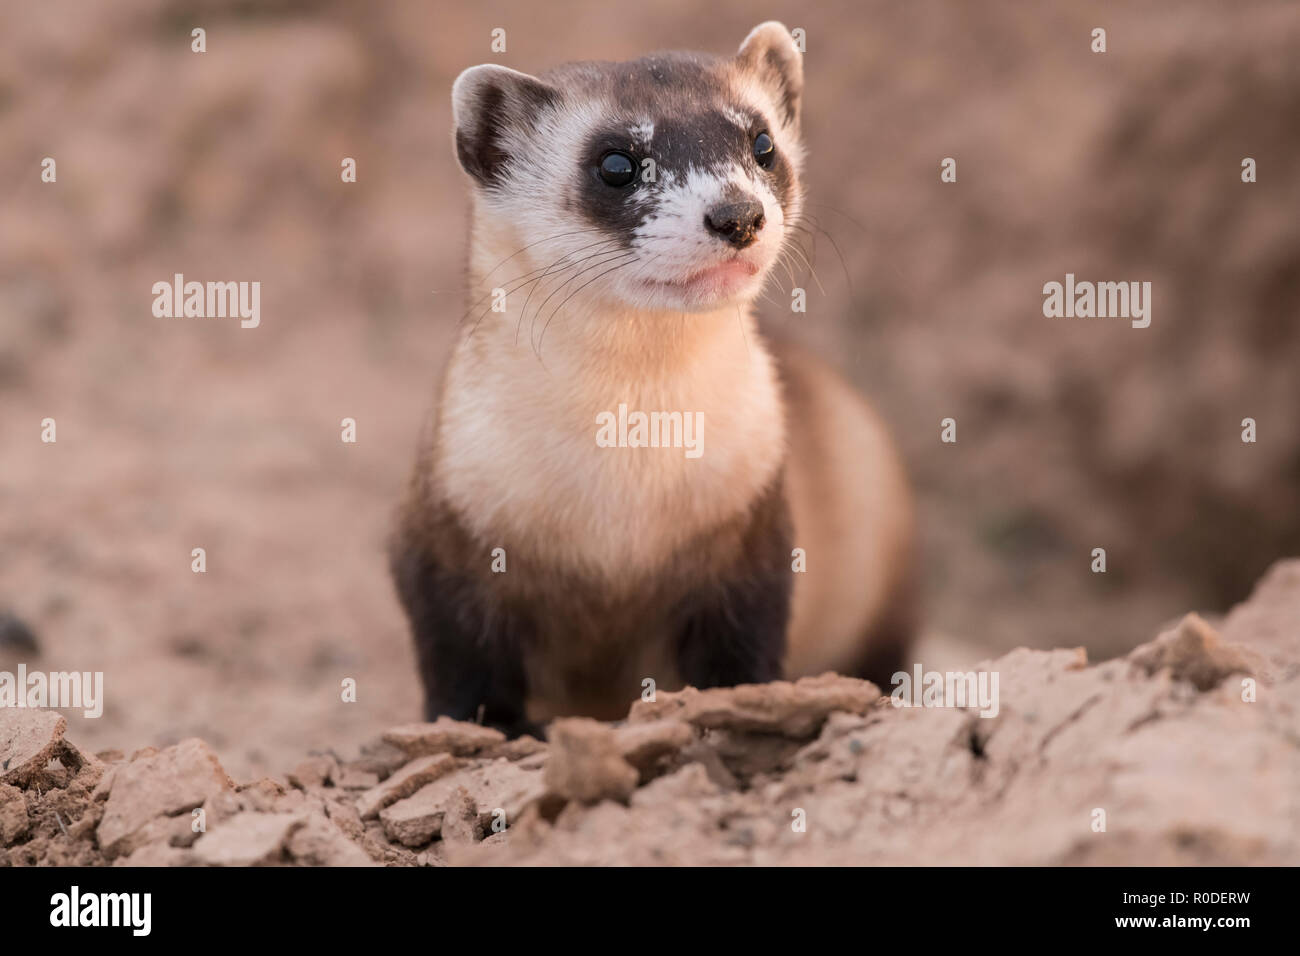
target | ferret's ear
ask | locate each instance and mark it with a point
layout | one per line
(486, 101)
(770, 53)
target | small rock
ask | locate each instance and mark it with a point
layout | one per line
(417, 819)
(1193, 652)
(586, 762)
(29, 739)
(345, 816)
(405, 782)
(172, 831)
(313, 772)
(263, 794)
(164, 783)
(460, 823)
(796, 710)
(444, 735)
(318, 842)
(105, 785)
(247, 839)
(645, 746)
(500, 785)
(504, 786)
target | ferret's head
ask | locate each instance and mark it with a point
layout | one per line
(668, 182)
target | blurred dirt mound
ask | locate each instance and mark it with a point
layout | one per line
(1088, 433)
(1159, 434)
(1184, 752)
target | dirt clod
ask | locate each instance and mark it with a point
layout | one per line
(29, 739)
(795, 709)
(161, 784)
(443, 735)
(586, 762)
(1193, 652)
(247, 839)
(405, 782)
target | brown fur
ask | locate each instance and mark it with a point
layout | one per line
(853, 515)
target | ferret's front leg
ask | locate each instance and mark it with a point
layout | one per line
(469, 644)
(733, 629)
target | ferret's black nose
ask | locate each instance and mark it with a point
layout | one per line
(736, 222)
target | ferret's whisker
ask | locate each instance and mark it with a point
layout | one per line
(611, 257)
(535, 275)
(796, 248)
(568, 274)
(620, 265)
(837, 211)
(524, 311)
(562, 235)
(812, 220)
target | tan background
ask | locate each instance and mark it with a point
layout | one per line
(1073, 434)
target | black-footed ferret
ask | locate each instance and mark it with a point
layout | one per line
(624, 481)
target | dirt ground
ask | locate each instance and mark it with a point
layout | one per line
(178, 435)
(1183, 752)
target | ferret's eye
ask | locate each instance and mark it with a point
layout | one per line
(764, 150)
(617, 169)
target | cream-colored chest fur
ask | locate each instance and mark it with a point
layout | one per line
(517, 454)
